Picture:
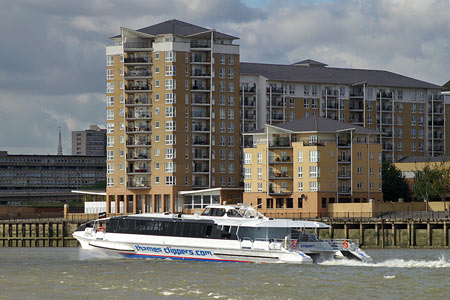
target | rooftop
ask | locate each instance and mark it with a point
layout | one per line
(410, 159)
(319, 124)
(310, 71)
(180, 28)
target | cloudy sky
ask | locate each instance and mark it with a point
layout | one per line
(52, 52)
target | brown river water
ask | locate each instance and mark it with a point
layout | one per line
(72, 273)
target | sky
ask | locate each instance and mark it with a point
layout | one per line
(52, 52)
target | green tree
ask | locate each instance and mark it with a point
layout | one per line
(394, 184)
(428, 184)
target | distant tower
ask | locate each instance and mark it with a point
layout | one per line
(59, 143)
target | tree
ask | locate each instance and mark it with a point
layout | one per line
(394, 183)
(428, 184)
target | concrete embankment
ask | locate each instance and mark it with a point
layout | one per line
(371, 233)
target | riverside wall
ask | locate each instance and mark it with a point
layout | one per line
(371, 233)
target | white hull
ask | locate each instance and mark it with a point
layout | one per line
(199, 253)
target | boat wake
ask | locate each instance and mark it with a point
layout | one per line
(442, 262)
(97, 254)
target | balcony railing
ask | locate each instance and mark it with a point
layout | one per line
(316, 143)
(137, 60)
(436, 123)
(357, 94)
(139, 184)
(138, 101)
(332, 93)
(138, 74)
(139, 129)
(197, 114)
(436, 97)
(343, 159)
(199, 100)
(138, 88)
(137, 45)
(280, 191)
(200, 73)
(282, 143)
(286, 159)
(200, 44)
(248, 103)
(200, 183)
(201, 88)
(344, 174)
(275, 90)
(385, 95)
(247, 89)
(200, 142)
(200, 128)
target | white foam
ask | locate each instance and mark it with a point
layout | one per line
(97, 254)
(389, 276)
(442, 262)
(167, 293)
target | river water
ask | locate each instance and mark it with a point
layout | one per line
(71, 273)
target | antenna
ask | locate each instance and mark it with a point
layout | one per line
(59, 143)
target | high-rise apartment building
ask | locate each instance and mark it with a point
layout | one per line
(301, 166)
(89, 142)
(172, 117)
(411, 113)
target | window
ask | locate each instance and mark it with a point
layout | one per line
(359, 185)
(314, 90)
(109, 60)
(260, 173)
(170, 126)
(369, 106)
(169, 167)
(259, 157)
(230, 86)
(371, 155)
(170, 98)
(110, 128)
(109, 168)
(248, 158)
(171, 180)
(110, 114)
(314, 186)
(110, 141)
(222, 73)
(305, 103)
(400, 107)
(230, 114)
(359, 170)
(169, 56)
(300, 172)
(230, 154)
(413, 133)
(171, 70)
(170, 112)
(171, 153)
(314, 103)
(109, 74)
(413, 146)
(110, 181)
(230, 100)
(222, 86)
(291, 115)
(222, 59)
(110, 155)
(300, 156)
(231, 59)
(247, 187)
(230, 141)
(110, 87)
(230, 127)
(247, 173)
(413, 120)
(306, 90)
(413, 108)
(314, 171)
(314, 156)
(400, 132)
(170, 139)
(300, 187)
(259, 186)
(170, 84)
(109, 100)
(324, 202)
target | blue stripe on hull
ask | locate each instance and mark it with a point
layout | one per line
(137, 255)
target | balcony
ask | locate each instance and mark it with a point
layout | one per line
(314, 144)
(138, 101)
(137, 45)
(248, 89)
(275, 104)
(200, 183)
(280, 143)
(137, 88)
(200, 101)
(138, 170)
(275, 90)
(277, 117)
(356, 120)
(344, 190)
(439, 110)
(277, 175)
(137, 74)
(280, 191)
(138, 116)
(344, 175)
(200, 169)
(436, 123)
(344, 144)
(330, 93)
(344, 159)
(200, 44)
(139, 129)
(386, 108)
(200, 73)
(131, 142)
(332, 106)
(138, 157)
(139, 184)
(385, 95)
(356, 94)
(200, 59)
(281, 160)
(248, 103)
(138, 60)
(248, 116)
(200, 156)
(200, 142)
(387, 147)
(202, 88)
(436, 136)
(200, 128)
(435, 97)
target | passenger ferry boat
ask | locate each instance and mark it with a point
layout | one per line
(222, 233)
